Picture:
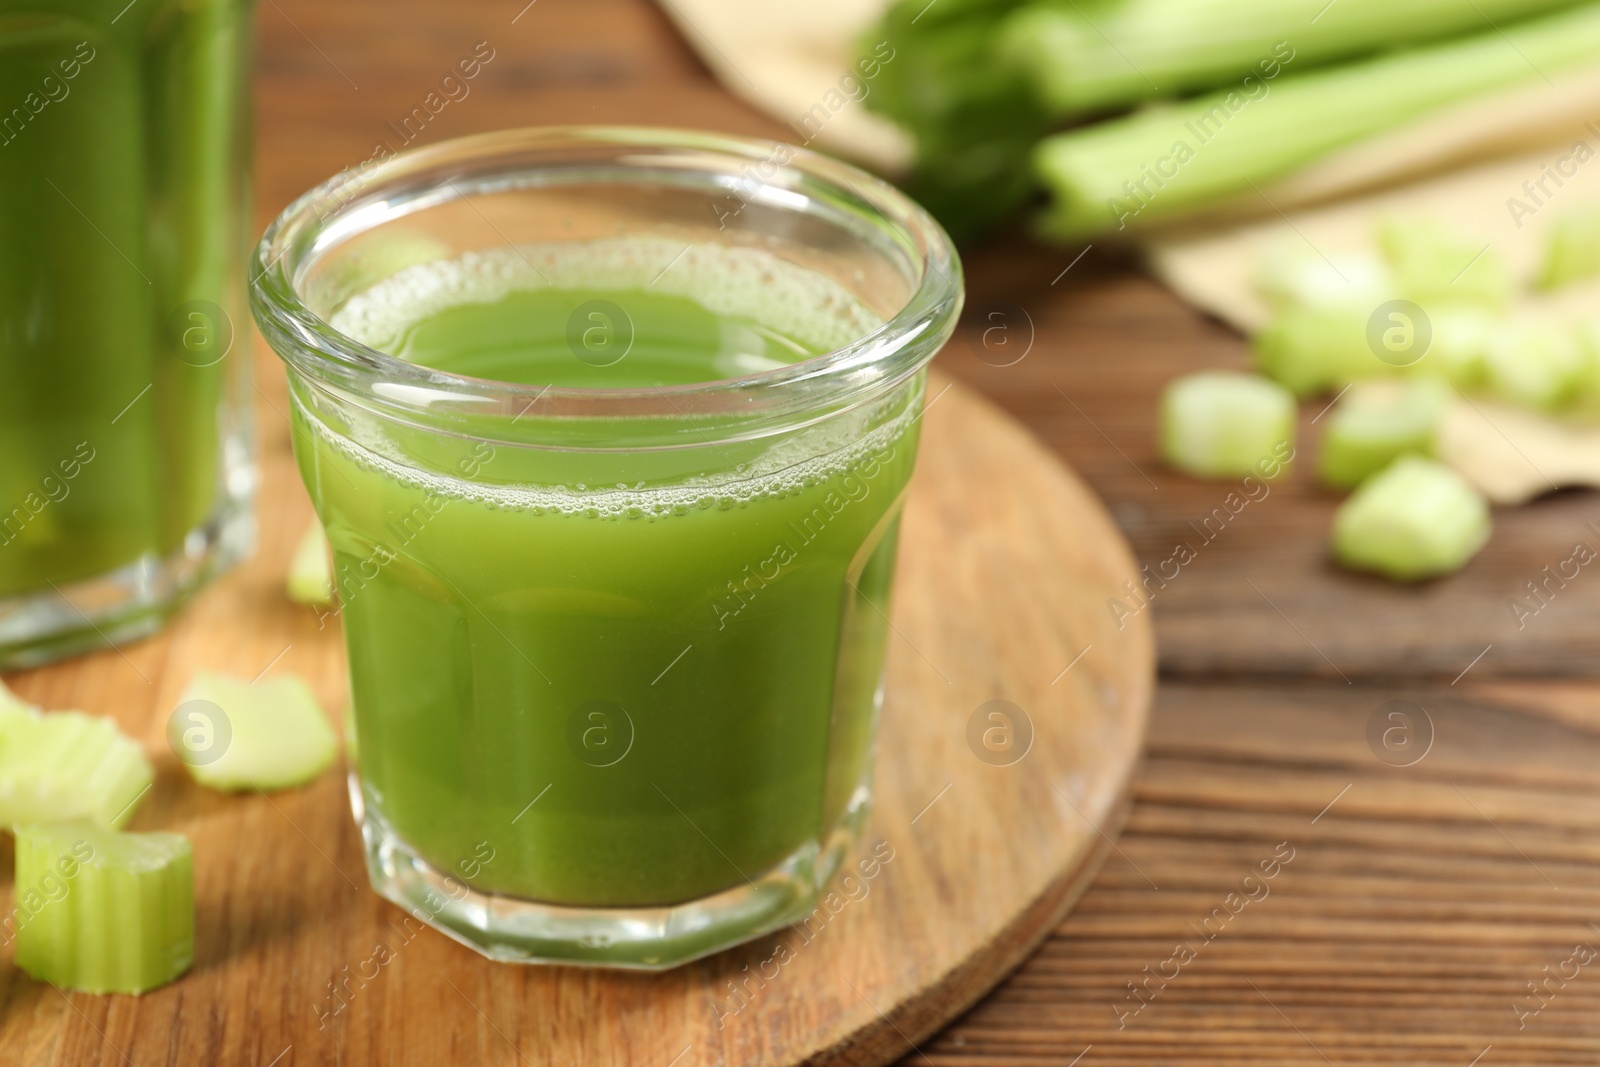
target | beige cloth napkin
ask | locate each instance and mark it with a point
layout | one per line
(1465, 164)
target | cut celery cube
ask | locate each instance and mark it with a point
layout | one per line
(67, 765)
(1434, 261)
(1539, 364)
(1416, 519)
(310, 574)
(1223, 424)
(1462, 334)
(1572, 250)
(1292, 275)
(235, 735)
(1378, 422)
(101, 911)
(1314, 349)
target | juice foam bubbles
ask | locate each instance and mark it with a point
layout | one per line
(806, 311)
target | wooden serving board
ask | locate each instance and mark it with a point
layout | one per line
(1005, 566)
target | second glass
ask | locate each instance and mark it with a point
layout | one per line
(125, 457)
(610, 431)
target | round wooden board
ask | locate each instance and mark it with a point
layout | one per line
(1006, 567)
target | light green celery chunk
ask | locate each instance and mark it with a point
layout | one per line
(235, 735)
(68, 765)
(1378, 422)
(1416, 519)
(1462, 334)
(1572, 250)
(1290, 275)
(1315, 349)
(1434, 262)
(1539, 364)
(310, 575)
(1222, 424)
(101, 911)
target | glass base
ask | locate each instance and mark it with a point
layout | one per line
(514, 930)
(130, 602)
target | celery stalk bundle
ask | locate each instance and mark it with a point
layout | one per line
(978, 83)
(1163, 163)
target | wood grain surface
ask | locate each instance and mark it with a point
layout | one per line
(1420, 902)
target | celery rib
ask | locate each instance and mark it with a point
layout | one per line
(1177, 159)
(1082, 59)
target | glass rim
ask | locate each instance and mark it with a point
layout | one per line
(461, 168)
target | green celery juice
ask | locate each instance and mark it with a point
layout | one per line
(122, 215)
(632, 678)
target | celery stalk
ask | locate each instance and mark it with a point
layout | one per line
(974, 119)
(1085, 58)
(1174, 160)
(101, 911)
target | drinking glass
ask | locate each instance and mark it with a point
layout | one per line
(125, 457)
(616, 650)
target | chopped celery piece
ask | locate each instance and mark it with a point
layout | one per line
(310, 575)
(1573, 249)
(235, 735)
(101, 911)
(1376, 423)
(1462, 334)
(1294, 275)
(1169, 161)
(1539, 364)
(1417, 519)
(1222, 424)
(1435, 262)
(1315, 349)
(67, 765)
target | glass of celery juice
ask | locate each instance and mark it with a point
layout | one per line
(125, 471)
(610, 430)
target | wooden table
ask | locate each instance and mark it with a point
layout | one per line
(1410, 907)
